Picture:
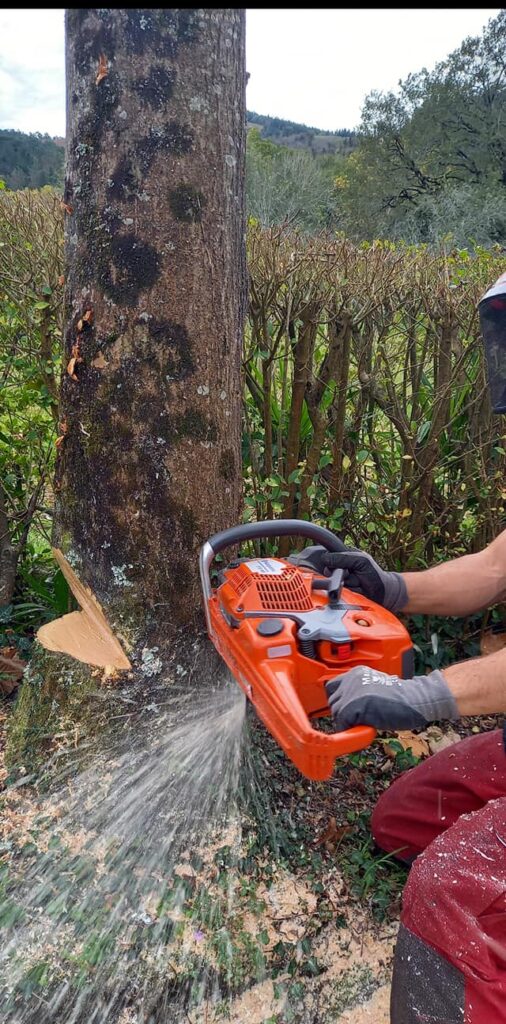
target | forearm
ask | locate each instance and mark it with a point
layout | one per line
(479, 685)
(462, 586)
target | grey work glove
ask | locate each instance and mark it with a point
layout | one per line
(364, 696)
(364, 576)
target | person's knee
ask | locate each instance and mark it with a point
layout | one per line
(389, 828)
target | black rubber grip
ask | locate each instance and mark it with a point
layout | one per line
(276, 528)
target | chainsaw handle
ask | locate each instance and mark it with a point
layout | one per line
(276, 528)
(253, 531)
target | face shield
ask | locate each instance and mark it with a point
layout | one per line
(492, 310)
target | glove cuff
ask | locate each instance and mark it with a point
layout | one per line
(396, 593)
(435, 699)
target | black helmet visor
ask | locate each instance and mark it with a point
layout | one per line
(492, 310)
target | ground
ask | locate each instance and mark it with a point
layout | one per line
(116, 893)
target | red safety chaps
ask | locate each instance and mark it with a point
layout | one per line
(450, 814)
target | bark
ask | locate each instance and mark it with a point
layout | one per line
(8, 557)
(149, 462)
(303, 349)
(339, 339)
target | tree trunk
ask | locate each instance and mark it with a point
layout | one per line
(8, 557)
(149, 464)
(149, 453)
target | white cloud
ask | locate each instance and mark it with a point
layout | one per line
(317, 66)
(32, 71)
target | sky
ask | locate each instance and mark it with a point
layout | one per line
(312, 66)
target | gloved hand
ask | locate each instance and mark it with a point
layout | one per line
(364, 696)
(364, 576)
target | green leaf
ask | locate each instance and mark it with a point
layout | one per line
(423, 430)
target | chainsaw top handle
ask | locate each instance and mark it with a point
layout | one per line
(254, 531)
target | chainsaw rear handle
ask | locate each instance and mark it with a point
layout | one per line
(254, 531)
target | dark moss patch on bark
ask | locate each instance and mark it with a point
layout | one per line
(186, 203)
(227, 464)
(134, 266)
(187, 25)
(123, 182)
(162, 30)
(157, 88)
(172, 340)
(98, 117)
(188, 424)
(185, 523)
(92, 38)
(173, 138)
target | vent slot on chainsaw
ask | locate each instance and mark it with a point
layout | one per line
(285, 593)
(277, 593)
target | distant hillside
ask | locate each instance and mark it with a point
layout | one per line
(301, 136)
(30, 160)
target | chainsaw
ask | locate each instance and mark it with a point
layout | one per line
(284, 630)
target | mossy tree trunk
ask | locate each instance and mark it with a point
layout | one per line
(149, 464)
(149, 450)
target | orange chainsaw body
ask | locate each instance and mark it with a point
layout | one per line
(258, 617)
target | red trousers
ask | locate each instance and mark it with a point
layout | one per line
(450, 814)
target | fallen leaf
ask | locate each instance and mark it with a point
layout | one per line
(71, 366)
(66, 206)
(99, 361)
(408, 741)
(333, 835)
(356, 780)
(11, 669)
(76, 357)
(61, 280)
(9, 652)
(291, 931)
(439, 740)
(63, 426)
(102, 69)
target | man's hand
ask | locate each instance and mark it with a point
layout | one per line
(364, 576)
(364, 696)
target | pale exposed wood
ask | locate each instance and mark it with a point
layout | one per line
(85, 634)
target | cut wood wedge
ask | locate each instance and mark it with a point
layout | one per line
(85, 634)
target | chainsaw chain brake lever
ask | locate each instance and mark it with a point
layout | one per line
(333, 585)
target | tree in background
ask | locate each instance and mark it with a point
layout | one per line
(432, 158)
(290, 185)
(30, 160)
